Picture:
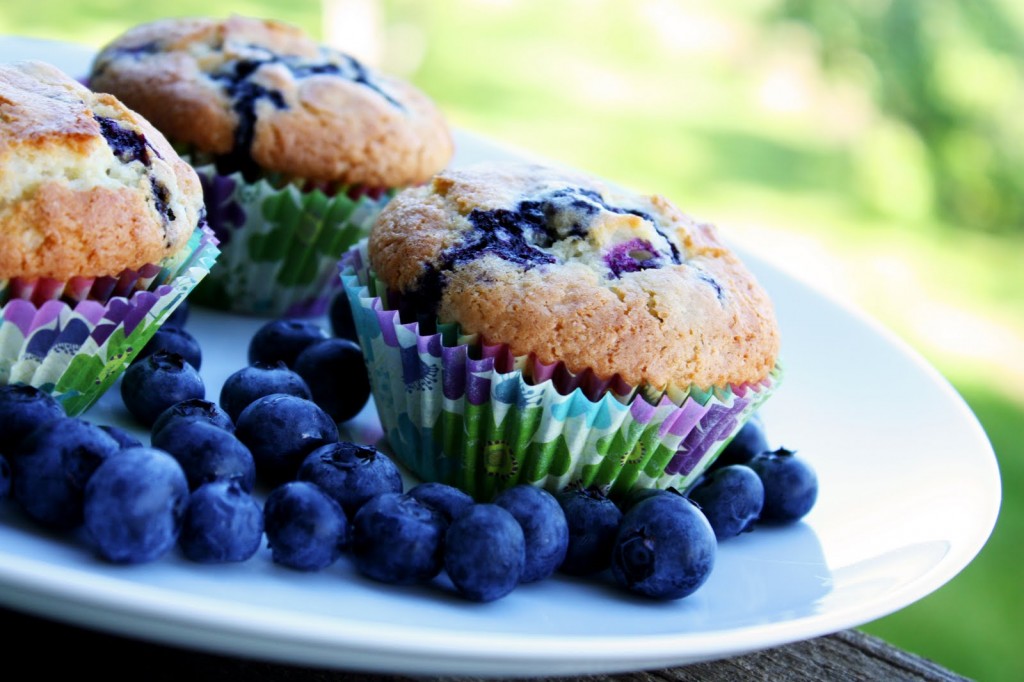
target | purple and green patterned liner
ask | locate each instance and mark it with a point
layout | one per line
(74, 339)
(280, 242)
(460, 412)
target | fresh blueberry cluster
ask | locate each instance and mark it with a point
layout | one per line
(277, 425)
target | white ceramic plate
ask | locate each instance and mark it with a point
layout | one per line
(909, 494)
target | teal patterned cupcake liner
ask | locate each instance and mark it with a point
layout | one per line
(73, 339)
(280, 244)
(467, 414)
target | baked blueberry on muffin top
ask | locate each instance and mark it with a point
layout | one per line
(263, 97)
(556, 265)
(88, 187)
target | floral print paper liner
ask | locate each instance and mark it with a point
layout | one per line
(75, 344)
(280, 245)
(451, 415)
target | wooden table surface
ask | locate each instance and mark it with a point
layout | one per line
(45, 648)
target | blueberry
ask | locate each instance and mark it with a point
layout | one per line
(134, 505)
(305, 528)
(544, 528)
(127, 144)
(665, 548)
(337, 376)
(22, 409)
(280, 430)
(343, 325)
(207, 453)
(396, 539)
(5, 478)
(194, 409)
(790, 485)
(173, 340)
(731, 498)
(283, 340)
(161, 380)
(255, 381)
(351, 474)
(633, 256)
(52, 466)
(748, 442)
(178, 318)
(638, 495)
(485, 552)
(450, 502)
(593, 522)
(124, 439)
(223, 523)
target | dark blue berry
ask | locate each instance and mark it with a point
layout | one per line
(485, 552)
(638, 495)
(731, 498)
(124, 439)
(593, 522)
(194, 409)
(450, 502)
(161, 198)
(396, 539)
(790, 485)
(178, 318)
(173, 340)
(5, 478)
(544, 528)
(343, 324)
(22, 409)
(207, 453)
(632, 256)
(305, 528)
(134, 505)
(223, 523)
(351, 474)
(52, 466)
(127, 144)
(336, 374)
(665, 548)
(283, 340)
(280, 431)
(159, 381)
(748, 442)
(255, 381)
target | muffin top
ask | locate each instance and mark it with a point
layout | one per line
(263, 96)
(87, 186)
(556, 265)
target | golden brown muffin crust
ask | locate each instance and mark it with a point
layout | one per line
(70, 203)
(266, 92)
(556, 265)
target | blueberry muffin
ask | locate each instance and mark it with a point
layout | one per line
(525, 324)
(559, 267)
(101, 227)
(298, 145)
(89, 187)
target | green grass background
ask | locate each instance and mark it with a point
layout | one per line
(731, 119)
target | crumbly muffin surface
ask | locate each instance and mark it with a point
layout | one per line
(556, 265)
(262, 96)
(87, 187)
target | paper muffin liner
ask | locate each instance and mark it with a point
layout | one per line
(73, 339)
(474, 416)
(280, 243)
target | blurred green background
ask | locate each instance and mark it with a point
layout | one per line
(873, 147)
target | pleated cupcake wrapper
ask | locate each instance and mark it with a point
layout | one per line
(461, 412)
(74, 339)
(280, 245)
